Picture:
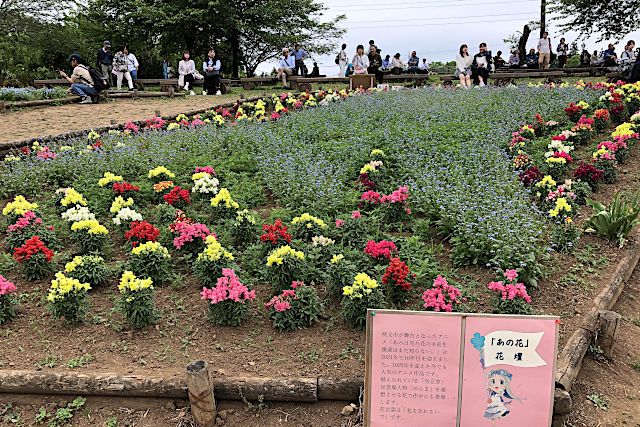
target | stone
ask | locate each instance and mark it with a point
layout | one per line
(171, 406)
(347, 410)
(222, 414)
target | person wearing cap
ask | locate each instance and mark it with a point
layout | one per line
(81, 81)
(104, 61)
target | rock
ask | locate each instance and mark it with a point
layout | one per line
(347, 410)
(219, 421)
(171, 406)
(223, 414)
(252, 363)
(221, 372)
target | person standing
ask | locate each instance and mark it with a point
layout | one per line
(132, 63)
(562, 53)
(81, 81)
(211, 69)
(544, 51)
(463, 66)
(186, 72)
(360, 61)
(299, 55)
(287, 64)
(342, 60)
(104, 60)
(481, 65)
(121, 67)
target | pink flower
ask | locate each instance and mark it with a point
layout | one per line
(190, 232)
(339, 222)
(228, 287)
(356, 214)
(6, 287)
(436, 298)
(510, 275)
(205, 169)
(382, 249)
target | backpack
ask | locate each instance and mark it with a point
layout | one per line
(100, 82)
(337, 59)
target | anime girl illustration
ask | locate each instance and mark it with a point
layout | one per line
(498, 384)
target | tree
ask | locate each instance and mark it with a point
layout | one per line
(608, 19)
(519, 39)
(244, 32)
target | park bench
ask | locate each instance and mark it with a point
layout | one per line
(505, 78)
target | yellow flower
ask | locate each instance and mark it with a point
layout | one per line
(108, 178)
(277, 256)
(362, 285)
(214, 250)
(161, 170)
(129, 282)
(244, 215)
(120, 203)
(309, 219)
(151, 247)
(376, 152)
(91, 226)
(72, 197)
(196, 176)
(366, 169)
(18, 206)
(337, 258)
(224, 196)
(63, 285)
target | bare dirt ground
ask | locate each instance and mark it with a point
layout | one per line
(54, 120)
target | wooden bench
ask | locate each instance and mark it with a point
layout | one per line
(249, 83)
(167, 86)
(304, 83)
(569, 72)
(509, 78)
(419, 79)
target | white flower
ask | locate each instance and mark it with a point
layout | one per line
(78, 213)
(126, 215)
(206, 185)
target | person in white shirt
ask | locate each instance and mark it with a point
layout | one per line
(424, 67)
(121, 68)
(544, 51)
(187, 72)
(342, 60)
(211, 69)
(396, 64)
(132, 64)
(627, 56)
(463, 66)
(360, 61)
(287, 64)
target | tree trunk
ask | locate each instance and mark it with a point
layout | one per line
(234, 39)
(522, 44)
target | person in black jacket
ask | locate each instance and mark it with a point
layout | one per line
(375, 62)
(481, 66)
(104, 61)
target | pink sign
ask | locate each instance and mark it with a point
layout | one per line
(508, 374)
(415, 371)
(456, 369)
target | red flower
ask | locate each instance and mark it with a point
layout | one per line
(381, 249)
(397, 272)
(176, 194)
(275, 231)
(141, 232)
(121, 188)
(32, 247)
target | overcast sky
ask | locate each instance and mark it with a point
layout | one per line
(437, 28)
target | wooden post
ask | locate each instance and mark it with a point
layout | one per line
(3, 107)
(607, 329)
(203, 404)
(135, 93)
(114, 122)
(157, 113)
(171, 91)
(242, 96)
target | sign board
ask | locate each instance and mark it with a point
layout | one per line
(458, 369)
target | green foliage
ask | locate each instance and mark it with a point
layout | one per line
(354, 310)
(36, 267)
(515, 306)
(616, 221)
(564, 236)
(600, 402)
(228, 312)
(137, 307)
(89, 269)
(282, 275)
(153, 264)
(89, 243)
(582, 190)
(607, 20)
(305, 309)
(573, 61)
(8, 303)
(73, 307)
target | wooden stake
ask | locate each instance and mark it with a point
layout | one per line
(607, 329)
(157, 113)
(203, 405)
(114, 122)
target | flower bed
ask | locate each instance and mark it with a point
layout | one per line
(348, 196)
(11, 94)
